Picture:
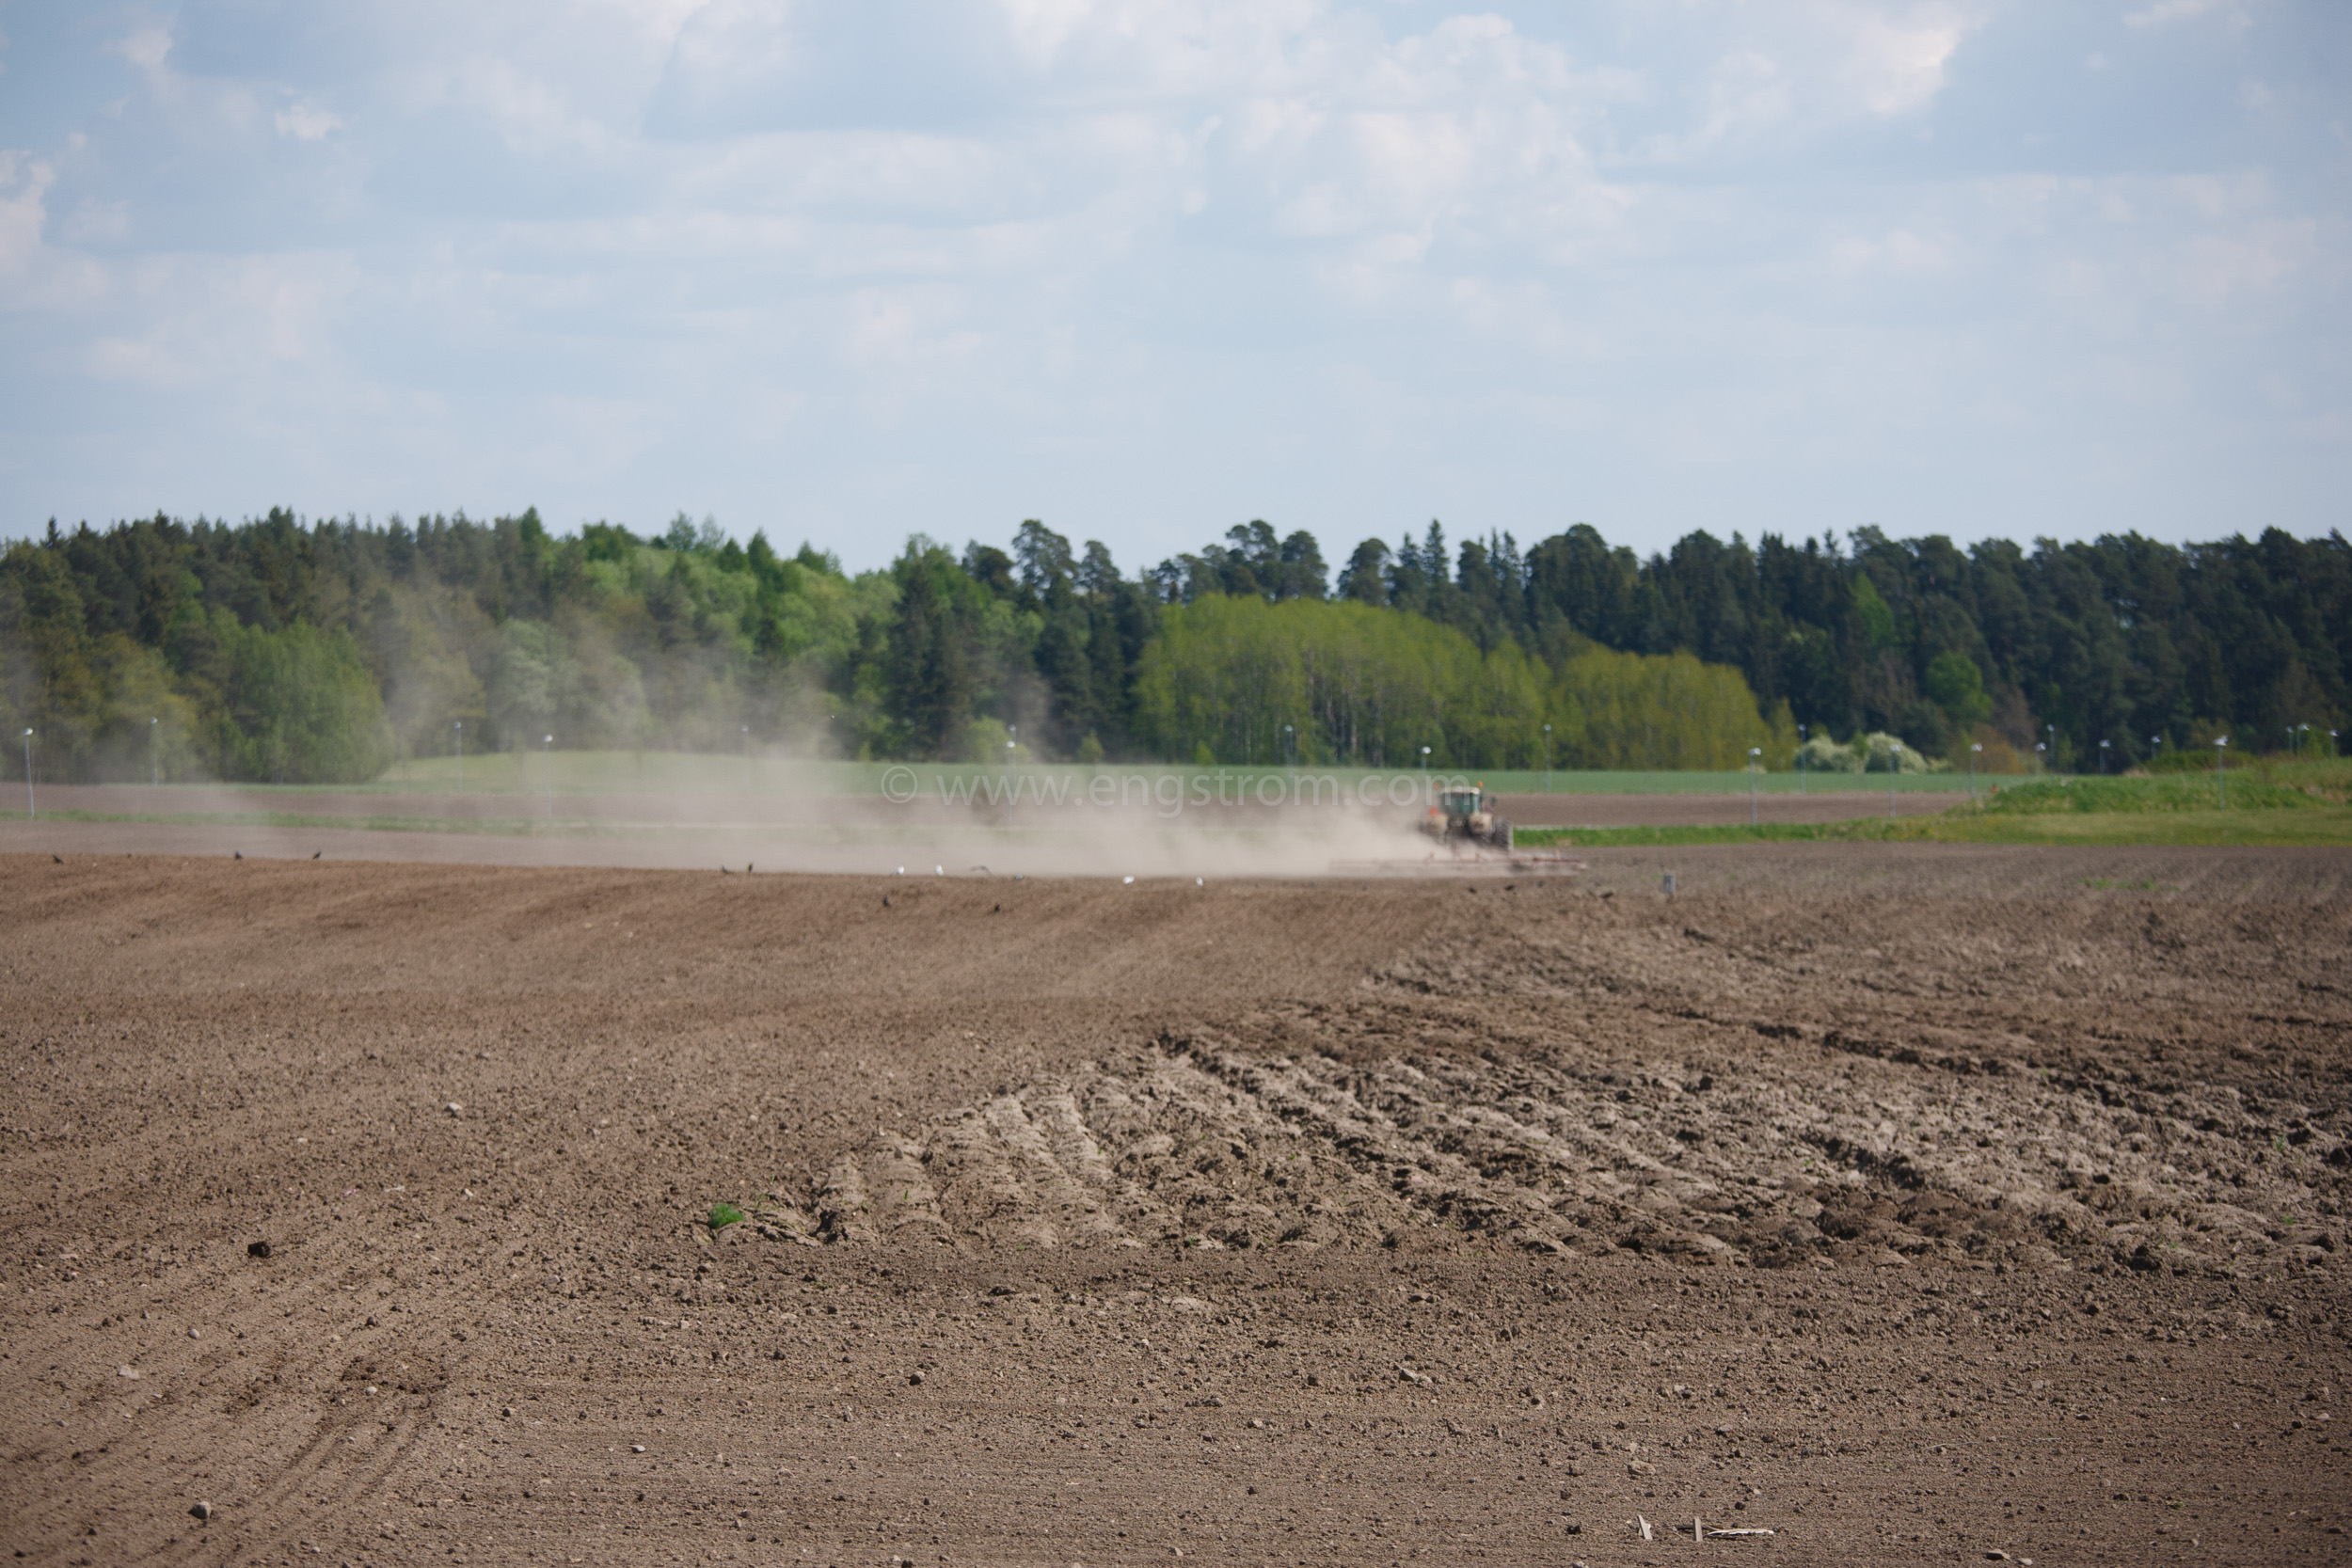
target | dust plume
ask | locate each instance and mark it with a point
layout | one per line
(770, 813)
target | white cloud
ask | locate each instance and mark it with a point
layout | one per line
(94, 221)
(1901, 251)
(1898, 65)
(2166, 13)
(24, 182)
(1769, 79)
(148, 48)
(306, 121)
(1747, 93)
(232, 323)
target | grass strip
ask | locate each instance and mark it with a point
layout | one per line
(2315, 825)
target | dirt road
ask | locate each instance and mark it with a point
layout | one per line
(828, 833)
(1910, 1202)
(774, 808)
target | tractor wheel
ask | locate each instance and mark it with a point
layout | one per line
(1500, 839)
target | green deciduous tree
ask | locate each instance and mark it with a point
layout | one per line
(299, 706)
(1364, 686)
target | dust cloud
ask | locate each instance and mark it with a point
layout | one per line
(798, 819)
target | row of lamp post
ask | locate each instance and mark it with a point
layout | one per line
(155, 762)
(547, 760)
(2298, 735)
(2045, 755)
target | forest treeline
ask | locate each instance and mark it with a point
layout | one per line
(280, 650)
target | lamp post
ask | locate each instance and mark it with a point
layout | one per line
(546, 771)
(1548, 757)
(459, 726)
(154, 758)
(1289, 750)
(2333, 748)
(749, 783)
(1753, 753)
(1894, 766)
(2103, 758)
(28, 775)
(1801, 759)
(2220, 772)
(2053, 729)
(2040, 763)
(1976, 748)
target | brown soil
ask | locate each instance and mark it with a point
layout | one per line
(1910, 1202)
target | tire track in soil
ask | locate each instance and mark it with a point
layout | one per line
(1843, 1142)
(195, 1395)
(278, 1516)
(1205, 1145)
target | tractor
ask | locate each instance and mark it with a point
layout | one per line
(1468, 812)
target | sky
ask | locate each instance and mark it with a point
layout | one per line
(848, 270)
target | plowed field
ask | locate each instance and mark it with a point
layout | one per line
(1910, 1203)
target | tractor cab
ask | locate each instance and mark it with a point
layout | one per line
(1468, 812)
(1460, 803)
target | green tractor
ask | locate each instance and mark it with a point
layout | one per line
(1468, 812)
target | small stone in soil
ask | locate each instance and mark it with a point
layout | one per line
(201, 1510)
(256, 1249)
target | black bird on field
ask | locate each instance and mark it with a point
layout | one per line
(316, 853)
